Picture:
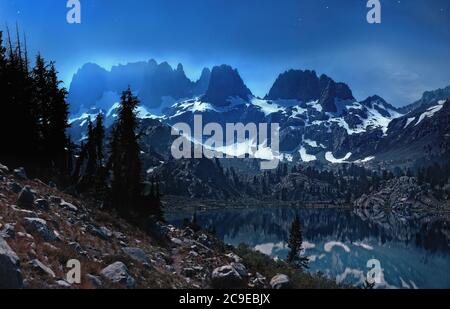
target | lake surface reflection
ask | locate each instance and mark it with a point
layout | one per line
(413, 250)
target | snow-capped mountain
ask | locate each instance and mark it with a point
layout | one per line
(158, 86)
(320, 120)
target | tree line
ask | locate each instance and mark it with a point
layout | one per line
(34, 112)
(33, 123)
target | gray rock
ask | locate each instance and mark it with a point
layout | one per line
(10, 275)
(176, 241)
(3, 169)
(41, 268)
(119, 236)
(8, 231)
(280, 282)
(63, 284)
(55, 199)
(77, 248)
(94, 280)
(14, 187)
(26, 198)
(39, 226)
(20, 173)
(51, 184)
(68, 206)
(234, 257)
(118, 273)
(226, 277)
(24, 212)
(258, 282)
(42, 204)
(241, 269)
(102, 232)
(136, 254)
(188, 232)
(189, 272)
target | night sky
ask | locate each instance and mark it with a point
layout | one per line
(399, 59)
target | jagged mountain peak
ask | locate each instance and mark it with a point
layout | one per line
(306, 86)
(295, 84)
(225, 82)
(428, 99)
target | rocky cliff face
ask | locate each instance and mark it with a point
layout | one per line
(154, 83)
(403, 194)
(225, 83)
(305, 86)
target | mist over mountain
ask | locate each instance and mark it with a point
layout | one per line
(157, 85)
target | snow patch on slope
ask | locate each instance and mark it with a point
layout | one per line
(267, 107)
(430, 112)
(330, 158)
(305, 156)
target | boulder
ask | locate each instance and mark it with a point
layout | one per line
(234, 257)
(40, 227)
(226, 277)
(3, 169)
(41, 268)
(94, 281)
(241, 269)
(258, 282)
(102, 232)
(280, 282)
(20, 173)
(8, 231)
(136, 254)
(24, 212)
(62, 284)
(26, 198)
(10, 275)
(118, 273)
(68, 206)
(42, 204)
(177, 241)
(77, 248)
(14, 187)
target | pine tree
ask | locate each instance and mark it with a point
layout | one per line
(39, 77)
(295, 244)
(20, 136)
(58, 114)
(99, 136)
(100, 186)
(124, 157)
(91, 150)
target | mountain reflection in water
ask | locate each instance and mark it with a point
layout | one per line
(413, 250)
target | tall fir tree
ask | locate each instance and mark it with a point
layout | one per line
(124, 157)
(295, 244)
(58, 114)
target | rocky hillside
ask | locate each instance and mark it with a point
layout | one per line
(42, 228)
(404, 194)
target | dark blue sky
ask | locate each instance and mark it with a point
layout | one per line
(399, 59)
